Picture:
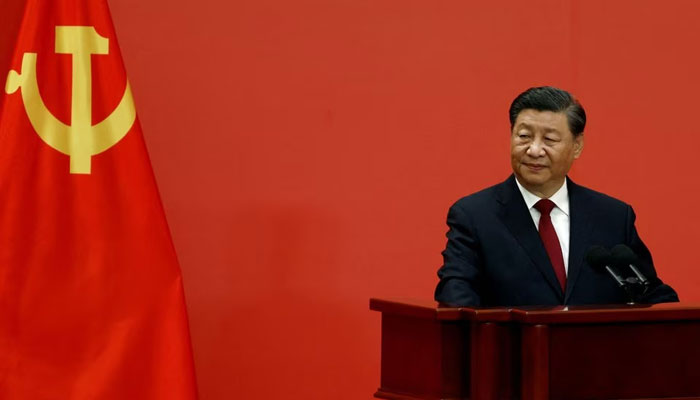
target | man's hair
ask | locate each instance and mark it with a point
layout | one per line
(548, 98)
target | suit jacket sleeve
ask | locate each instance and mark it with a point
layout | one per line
(658, 291)
(461, 272)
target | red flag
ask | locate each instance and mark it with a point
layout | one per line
(91, 298)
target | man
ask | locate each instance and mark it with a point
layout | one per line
(523, 241)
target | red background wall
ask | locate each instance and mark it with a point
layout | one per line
(307, 152)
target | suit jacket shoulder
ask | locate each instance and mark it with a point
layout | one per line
(596, 202)
(484, 198)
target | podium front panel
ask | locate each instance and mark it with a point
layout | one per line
(625, 360)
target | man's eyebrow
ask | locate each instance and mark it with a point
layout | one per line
(530, 127)
(547, 130)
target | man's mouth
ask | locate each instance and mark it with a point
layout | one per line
(535, 167)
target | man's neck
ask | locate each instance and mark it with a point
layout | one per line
(544, 191)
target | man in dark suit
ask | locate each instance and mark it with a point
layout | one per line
(523, 241)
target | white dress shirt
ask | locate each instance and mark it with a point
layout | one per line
(559, 216)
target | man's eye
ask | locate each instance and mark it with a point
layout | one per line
(551, 139)
(524, 136)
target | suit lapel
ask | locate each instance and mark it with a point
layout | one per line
(579, 235)
(516, 217)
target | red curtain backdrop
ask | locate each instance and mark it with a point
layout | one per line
(307, 152)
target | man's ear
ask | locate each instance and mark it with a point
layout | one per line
(578, 145)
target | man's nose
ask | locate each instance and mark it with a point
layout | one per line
(536, 148)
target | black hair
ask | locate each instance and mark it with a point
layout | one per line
(548, 98)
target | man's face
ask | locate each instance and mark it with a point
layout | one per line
(542, 150)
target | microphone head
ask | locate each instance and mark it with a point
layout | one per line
(622, 255)
(598, 257)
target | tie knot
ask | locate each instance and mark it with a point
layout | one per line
(544, 206)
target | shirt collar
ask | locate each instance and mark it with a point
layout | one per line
(560, 198)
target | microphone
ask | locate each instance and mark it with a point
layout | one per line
(600, 258)
(623, 255)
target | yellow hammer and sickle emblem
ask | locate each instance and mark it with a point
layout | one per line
(81, 140)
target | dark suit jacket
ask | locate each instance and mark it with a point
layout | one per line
(495, 257)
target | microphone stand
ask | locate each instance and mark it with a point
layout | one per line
(625, 284)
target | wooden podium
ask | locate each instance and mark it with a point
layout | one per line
(567, 353)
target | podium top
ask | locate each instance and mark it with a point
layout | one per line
(606, 313)
(429, 309)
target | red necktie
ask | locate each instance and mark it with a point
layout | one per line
(551, 241)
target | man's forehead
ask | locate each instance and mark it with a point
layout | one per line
(547, 120)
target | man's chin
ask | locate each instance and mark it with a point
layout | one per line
(534, 184)
(537, 178)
